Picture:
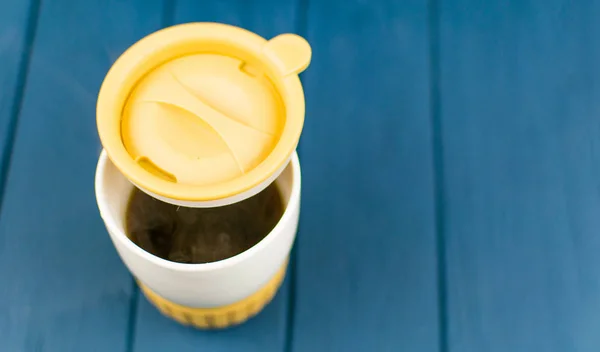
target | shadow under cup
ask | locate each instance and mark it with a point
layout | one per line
(210, 295)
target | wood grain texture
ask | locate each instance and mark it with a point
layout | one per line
(63, 286)
(267, 331)
(366, 264)
(520, 107)
(17, 25)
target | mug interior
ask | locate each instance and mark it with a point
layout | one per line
(114, 192)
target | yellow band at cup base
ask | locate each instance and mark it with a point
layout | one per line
(218, 317)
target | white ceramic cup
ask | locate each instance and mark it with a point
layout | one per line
(207, 285)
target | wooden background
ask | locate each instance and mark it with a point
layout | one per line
(451, 178)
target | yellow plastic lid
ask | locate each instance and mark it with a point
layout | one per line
(203, 111)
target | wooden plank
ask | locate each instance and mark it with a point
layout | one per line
(265, 17)
(64, 288)
(519, 115)
(267, 331)
(366, 265)
(18, 19)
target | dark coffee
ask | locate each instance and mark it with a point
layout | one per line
(201, 235)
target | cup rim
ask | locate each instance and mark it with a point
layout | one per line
(119, 235)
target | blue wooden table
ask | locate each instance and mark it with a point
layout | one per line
(451, 170)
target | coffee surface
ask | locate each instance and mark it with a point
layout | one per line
(201, 235)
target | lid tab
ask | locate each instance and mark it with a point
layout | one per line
(291, 52)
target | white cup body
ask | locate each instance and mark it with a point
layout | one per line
(200, 285)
